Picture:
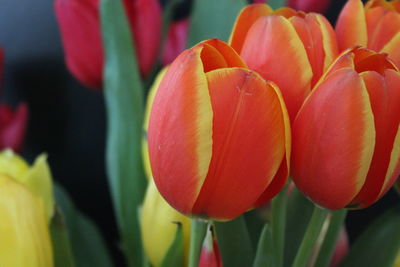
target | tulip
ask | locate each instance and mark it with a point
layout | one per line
(397, 261)
(13, 126)
(24, 233)
(341, 249)
(80, 31)
(210, 255)
(346, 135)
(176, 40)
(290, 48)
(37, 178)
(158, 225)
(219, 136)
(319, 6)
(376, 26)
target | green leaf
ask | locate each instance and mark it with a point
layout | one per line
(62, 252)
(299, 211)
(124, 104)
(379, 244)
(275, 4)
(234, 243)
(174, 255)
(265, 249)
(213, 19)
(86, 243)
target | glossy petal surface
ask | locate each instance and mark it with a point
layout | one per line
(275, 33)
(247, 117)
(333, 140)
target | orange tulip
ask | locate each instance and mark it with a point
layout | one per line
(346, 136)
(376, 26)
(219, 135)
(290, 48)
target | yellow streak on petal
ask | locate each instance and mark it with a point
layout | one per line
(328, 39)
(368, 138)
(394, 161)
(150, 99)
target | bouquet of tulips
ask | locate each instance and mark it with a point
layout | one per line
(246, 149)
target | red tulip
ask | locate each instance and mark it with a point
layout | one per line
(210, 255)
(80, 31)
(290, 48)
(376, 26)
(319, 6)
(346, 136)
(218, 135)
(342, 248)
(13, 126)
(176, 40)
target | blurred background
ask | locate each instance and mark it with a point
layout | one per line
(67, 120)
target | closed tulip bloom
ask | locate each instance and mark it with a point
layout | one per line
(37, 178)
(24, 234)
(375, 25)
(13, 125)
(210, 255)
(290, 48)
(159, 224)
(219, 136)
(346, 136)
(79, 24)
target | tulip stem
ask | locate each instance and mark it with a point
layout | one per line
(329, 244)
(278, 224)
(198, 232)
(310, 237)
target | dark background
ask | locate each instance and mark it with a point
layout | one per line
(67, 120)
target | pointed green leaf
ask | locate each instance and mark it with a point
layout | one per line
(234, 242)
(124, 104)
(299, 211)
(62, 252)
(86, 243)
(265, 249)
(213, 19)
(379, 244)
(174, 255)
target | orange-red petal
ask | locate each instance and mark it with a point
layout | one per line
(333, 140)
(274, 49)
(384, 95)
(244, 21)
(180, 131)
(248, 143)
(351, 28)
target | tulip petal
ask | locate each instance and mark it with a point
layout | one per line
(244, 21)
(274, 49)
(392, 48)
(25, 238)
(386, 28)
(333, 140)
(351, 27)
(181, 124)
(247, 118)
(372, 16)
(218, 54)
(282, 174)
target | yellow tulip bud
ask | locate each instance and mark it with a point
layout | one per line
(24, 234)
(36, 177)
(158, 227)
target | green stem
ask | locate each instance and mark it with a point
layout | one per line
(311, 235)
(329, 244)
(278, 224)
(198, 232)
